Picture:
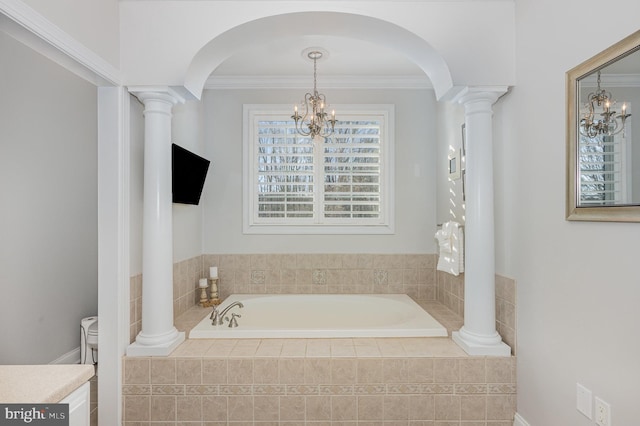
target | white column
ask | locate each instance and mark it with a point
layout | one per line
(158, 336)
(478, 336)
(113, 247)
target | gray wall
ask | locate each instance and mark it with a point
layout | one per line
(577, 282)
(415, 175)
(450, 202)
(48, 206)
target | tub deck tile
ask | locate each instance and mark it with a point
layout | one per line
(318, 348)
(368, 351)
(294, 348)
(268, 348)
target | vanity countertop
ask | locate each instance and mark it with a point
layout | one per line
(41, 384)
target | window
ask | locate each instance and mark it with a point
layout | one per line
(603, 165)
(340, 184)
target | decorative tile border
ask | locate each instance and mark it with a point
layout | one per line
(369, 389)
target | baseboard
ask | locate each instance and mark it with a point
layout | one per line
(519, 421)
(71, 357)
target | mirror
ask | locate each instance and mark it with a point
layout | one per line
(603, 135)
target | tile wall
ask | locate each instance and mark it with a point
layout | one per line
(450, 292)
(428, 382)
(93, 401)
(413, 274)
(135, 306)
(185, 281)
(506, 310)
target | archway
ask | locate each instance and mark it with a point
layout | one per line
(330, 23)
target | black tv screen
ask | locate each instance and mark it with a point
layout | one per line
(188, 174)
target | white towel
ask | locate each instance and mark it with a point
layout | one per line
(451, 242)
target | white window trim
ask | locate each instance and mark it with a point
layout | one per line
(387, 169)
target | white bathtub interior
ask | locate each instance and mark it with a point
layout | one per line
(322, 316)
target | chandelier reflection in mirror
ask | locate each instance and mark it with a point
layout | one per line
(600, 103)
(314, 121)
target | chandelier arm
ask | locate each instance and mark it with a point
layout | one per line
(615, 127)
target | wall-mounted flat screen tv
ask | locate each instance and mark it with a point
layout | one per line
(188, 175)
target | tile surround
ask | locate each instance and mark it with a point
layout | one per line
(506, 311)
(93, 401)
(429, 382)
(185, 281)
(450, 292)
(438, 385)
(412, 274)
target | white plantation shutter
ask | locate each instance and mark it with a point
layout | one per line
(285, 172)
(352, 185)
(339, 184)
(600, 174)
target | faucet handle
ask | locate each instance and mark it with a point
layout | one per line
(215, 316)
(233, 322)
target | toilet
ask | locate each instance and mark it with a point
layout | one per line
(89, 340)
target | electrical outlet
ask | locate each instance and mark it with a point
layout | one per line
(603, 413)
(583, 400)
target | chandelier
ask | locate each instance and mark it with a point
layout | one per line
(609, 124)
(315, 121)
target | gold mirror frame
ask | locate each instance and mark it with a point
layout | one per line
(573, 210)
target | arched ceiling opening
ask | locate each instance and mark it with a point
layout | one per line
(366, 36)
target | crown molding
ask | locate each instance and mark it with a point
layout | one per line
(29, 27)
(327, 82)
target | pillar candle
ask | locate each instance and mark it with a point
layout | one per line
(203, 283)
(213, 272)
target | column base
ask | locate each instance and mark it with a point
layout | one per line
(475, 348)
(157, 349)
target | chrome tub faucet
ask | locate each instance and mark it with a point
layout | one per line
(217, 318)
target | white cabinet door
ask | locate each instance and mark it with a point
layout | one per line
(78, 401)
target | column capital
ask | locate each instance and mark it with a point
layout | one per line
(157, 93)
(471, 94)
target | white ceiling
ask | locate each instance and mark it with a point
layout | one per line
(348, 59)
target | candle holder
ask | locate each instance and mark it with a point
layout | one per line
(203, 296)
(214, 299)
